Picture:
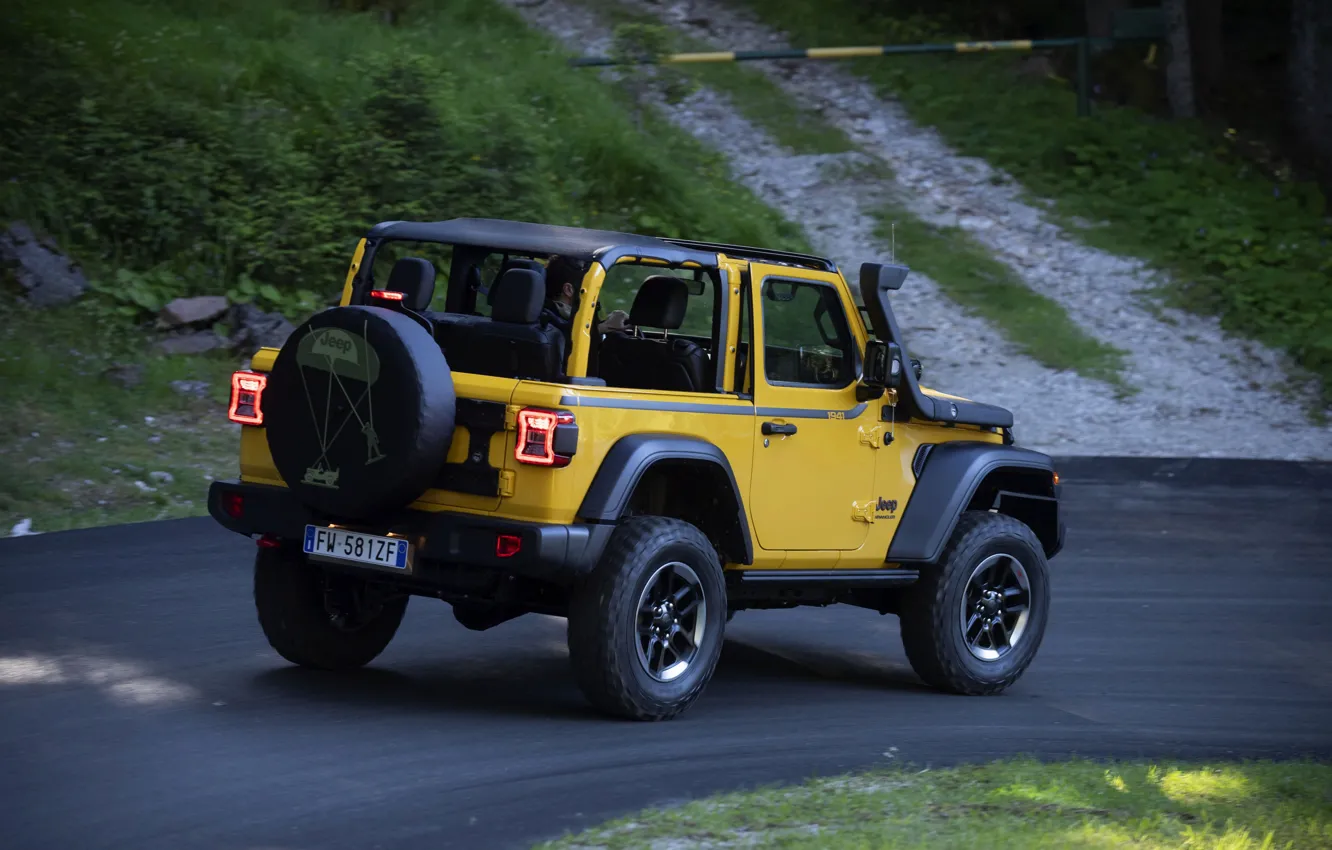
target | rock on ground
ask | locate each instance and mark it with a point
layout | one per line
(195, 389)
(253, 329)
(48, 277)
(191, 343)
(193, 311)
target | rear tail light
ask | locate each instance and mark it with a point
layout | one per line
(387, 295)
(508, 545)
(247, 397)
(233, 504)
(546, 437)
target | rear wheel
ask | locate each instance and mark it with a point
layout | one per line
(645, 628)
(321, 619)
(974, 621)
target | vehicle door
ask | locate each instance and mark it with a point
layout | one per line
(812, 485)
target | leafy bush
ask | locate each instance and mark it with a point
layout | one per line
(1251, 247)
(243, 146)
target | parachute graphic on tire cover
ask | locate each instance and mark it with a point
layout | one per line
(340, 354)
(359, 411)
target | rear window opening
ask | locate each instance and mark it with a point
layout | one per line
(509, 314)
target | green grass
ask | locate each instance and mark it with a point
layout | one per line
(74, 442)
(201, 146)
(967, 274)
(1252, 248)
(1013, 804)
(757, 98)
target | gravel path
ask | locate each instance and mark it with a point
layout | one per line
(1200, 390)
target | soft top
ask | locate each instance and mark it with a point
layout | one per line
(522, 237)
(603, 246)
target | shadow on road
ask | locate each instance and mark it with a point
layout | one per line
(745, 663)
(543, 685)
(533, 688)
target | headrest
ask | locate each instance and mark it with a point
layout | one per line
(660, 303)
(516, 297)
(520, 263)
(415, 279)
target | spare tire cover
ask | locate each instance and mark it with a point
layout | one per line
(359, 411)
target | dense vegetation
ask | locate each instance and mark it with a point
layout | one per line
(179, 147)
(1245, 243)
(241, 147)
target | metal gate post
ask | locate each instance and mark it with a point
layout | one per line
(1084, 73)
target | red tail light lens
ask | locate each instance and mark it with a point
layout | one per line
(387, 295)
(546, 437)
(247, 397)
(233, 504)
(508, 545)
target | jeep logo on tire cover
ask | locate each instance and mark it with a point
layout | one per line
(339, 352)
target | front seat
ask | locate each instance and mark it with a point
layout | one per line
(511, 343)
(651, 363)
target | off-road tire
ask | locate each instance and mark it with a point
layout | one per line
(931, 609)
(603, 610)
(289, 598)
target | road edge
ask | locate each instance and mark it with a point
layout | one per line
(1194, 471)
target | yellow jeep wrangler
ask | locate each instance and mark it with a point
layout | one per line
(642, 435)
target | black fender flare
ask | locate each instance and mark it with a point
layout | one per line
(948, 481)
(629, 460)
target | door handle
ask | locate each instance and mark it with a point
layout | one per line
(770, 428)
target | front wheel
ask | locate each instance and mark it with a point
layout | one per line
(645, 627)
(974, 621)
(317, 618)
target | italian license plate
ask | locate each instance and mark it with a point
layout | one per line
(339, 544)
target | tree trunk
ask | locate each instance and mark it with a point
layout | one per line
(1100, 15)
(1310, 67)
(1207, 43)
(1179, 67)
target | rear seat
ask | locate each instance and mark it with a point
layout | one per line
(415, 279)
(511, 343)
(636, 362)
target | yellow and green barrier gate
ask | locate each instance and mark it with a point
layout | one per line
(1129, 25)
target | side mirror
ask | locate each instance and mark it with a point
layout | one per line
(882, 369)
(876, 276)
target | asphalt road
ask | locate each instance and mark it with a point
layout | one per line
(140, 706)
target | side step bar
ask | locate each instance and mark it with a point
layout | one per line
(826, 579)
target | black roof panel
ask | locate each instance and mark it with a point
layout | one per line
(540, 239)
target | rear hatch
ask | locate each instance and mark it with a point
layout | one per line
(479, 466)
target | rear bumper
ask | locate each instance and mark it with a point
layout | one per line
(555, 553)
